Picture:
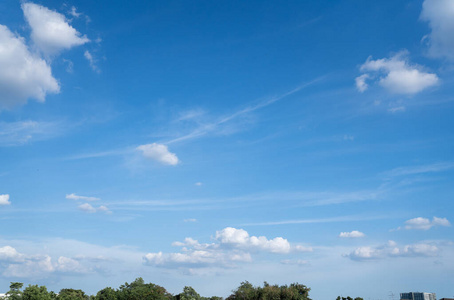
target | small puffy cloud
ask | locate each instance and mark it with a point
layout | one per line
(88, 208)
(23, 75)
(73, 12)
(352, 234)
(391, 249)
(4, 199)
(231, 245)
(396, 75)
(440, 15)
(425, 224)
(198, 184)
(361, 84)
(51, 32)
(84, 198)
(159, 153)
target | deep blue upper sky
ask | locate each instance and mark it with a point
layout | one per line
(211, 142)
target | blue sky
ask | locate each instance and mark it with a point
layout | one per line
(208, 143)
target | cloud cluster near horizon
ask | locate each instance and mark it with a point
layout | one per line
(391, 249)
(231, 245)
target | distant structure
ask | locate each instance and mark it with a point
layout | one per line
(418, 296)
(447, 299)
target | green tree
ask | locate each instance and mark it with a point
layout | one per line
(107, 293)
(72, 294)
(35, 292)
(139, 290)
(14, 292)
(188, 294)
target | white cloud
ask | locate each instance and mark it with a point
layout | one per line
(352, 234)
(422, 169)
(88, 208)
(23, 75)
(440, 15)
(21, 265)
(84, 198)
(21, 132)
(295, 262)
(91, 61)
(51, 32)
(396, 109)
(361, 84)
(190, 220)
(231, 245)
(396, 75)
(392, 250)
(73, 12)
(425, 224)
(198, 184)
(4, 199)
(9, 254)
(159, 152)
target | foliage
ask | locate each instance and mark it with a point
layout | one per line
(35, 292)
(246, 291)
(139, 290)
(14, 292)
(72, 294)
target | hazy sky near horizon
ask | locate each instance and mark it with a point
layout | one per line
(205, 143)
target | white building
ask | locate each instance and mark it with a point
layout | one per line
(418, 296)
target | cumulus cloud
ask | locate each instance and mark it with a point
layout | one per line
(4, 199)
(88, 208)
(21, 265)
(159, 153)
(9, 254)
(425, 224)
(352, 234)
(396, 75)
(23, 75)
(51, 32)
(391, 249)
(231, 245)
(440, 15)
(84, 198)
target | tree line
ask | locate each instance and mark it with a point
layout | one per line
(139, 290)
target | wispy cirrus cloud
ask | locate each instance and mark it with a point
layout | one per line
(213, 126)
(420, 169)
(83, 198)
